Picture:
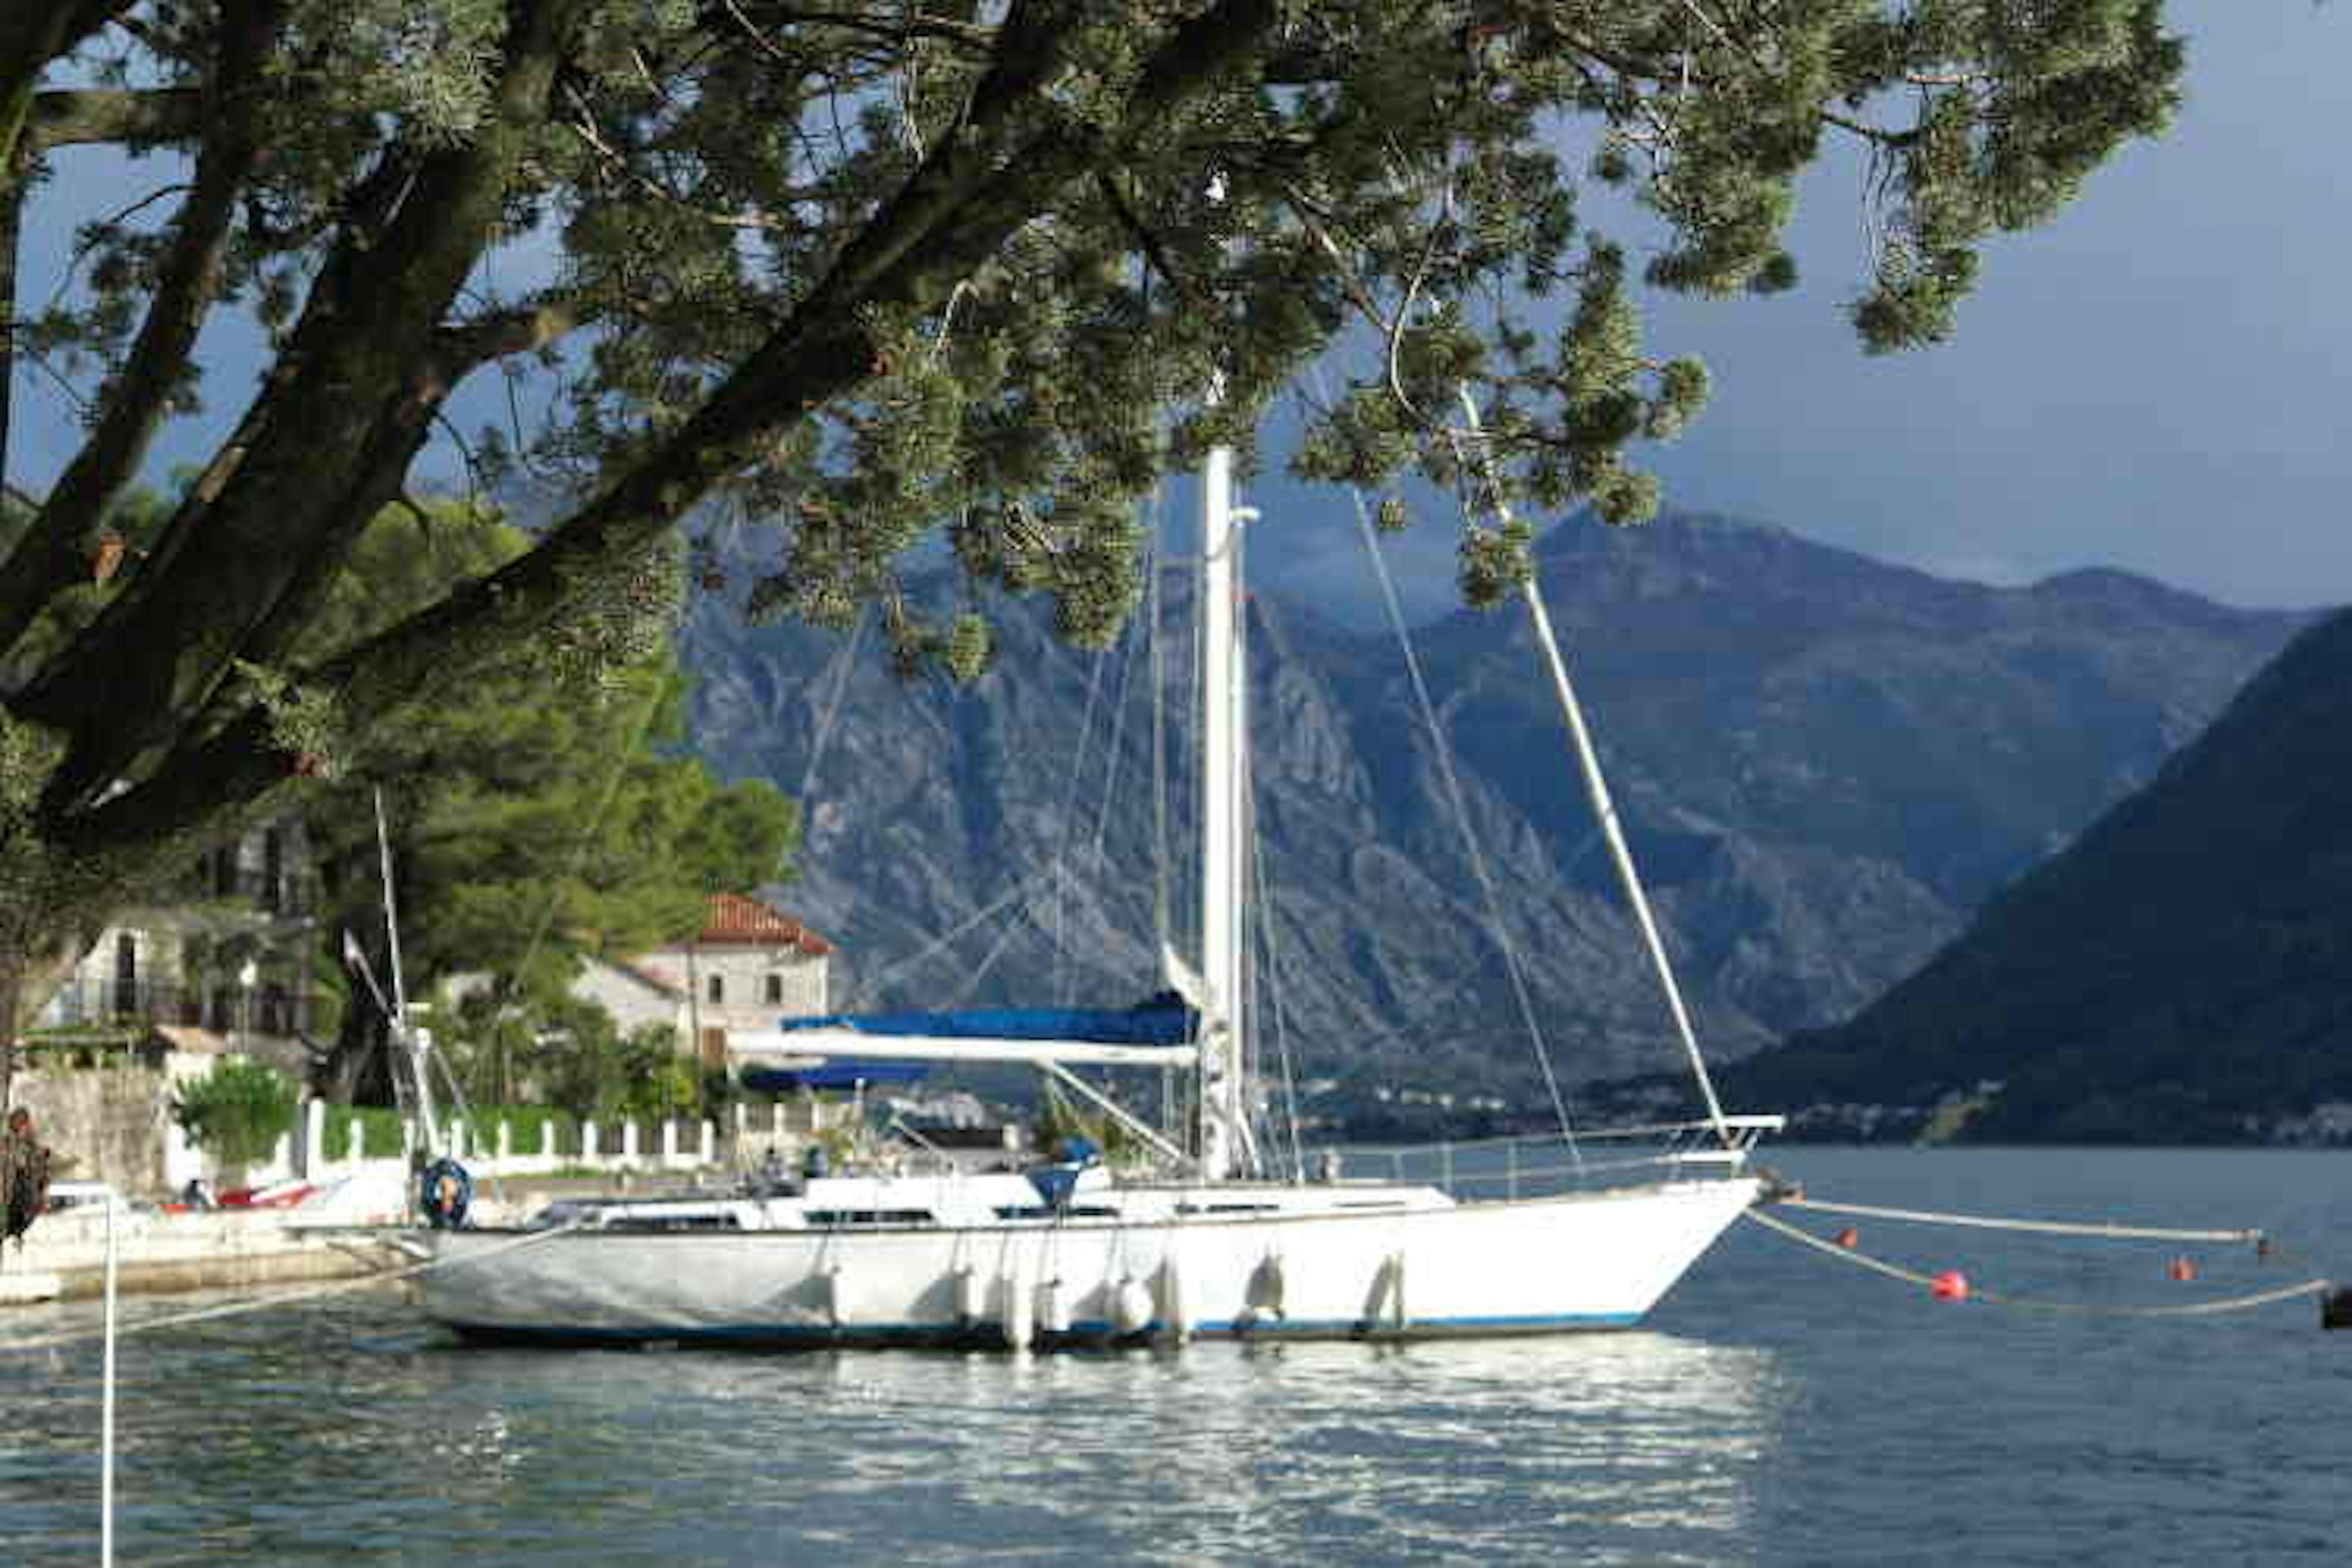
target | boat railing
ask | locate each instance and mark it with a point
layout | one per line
(1536, 1167)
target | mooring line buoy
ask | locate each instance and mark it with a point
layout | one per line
(1951, 1285)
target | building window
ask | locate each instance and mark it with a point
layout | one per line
(126, 974)
(775, 990)
(273, 871)
(718, 988)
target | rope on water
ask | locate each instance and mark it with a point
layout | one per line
(2045, 1226)
(2027, 1303)
(286, 1298)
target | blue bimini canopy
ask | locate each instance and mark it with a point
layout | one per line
(833, 1075)
(1160, 1020)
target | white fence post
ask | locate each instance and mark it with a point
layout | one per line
(314, 1141)
(629, 1143)
(709, 1142)
(670, 1143)
(587, 1143)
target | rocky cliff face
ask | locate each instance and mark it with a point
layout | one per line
(1825, 763)
(2182, 973)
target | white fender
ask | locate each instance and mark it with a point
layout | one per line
(1053, 1307)
(1267, 1287)
(1020, 1318)
(970, 1295)
(1130, 1305)
(1175, 1314)
(828, 1293)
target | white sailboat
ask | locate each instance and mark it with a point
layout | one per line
(1205, 1245)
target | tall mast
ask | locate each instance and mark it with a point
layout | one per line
(404, 1034)
(1605, 808)
(1225, 1142)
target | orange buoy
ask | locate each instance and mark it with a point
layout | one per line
(2182, 1269)
(1951, 1285)
(1849, 1238)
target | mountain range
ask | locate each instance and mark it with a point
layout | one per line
(2182, 972)
(1825, 764)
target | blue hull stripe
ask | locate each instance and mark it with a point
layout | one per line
(989, 1332)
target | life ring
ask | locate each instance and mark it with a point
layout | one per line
(443, 1193)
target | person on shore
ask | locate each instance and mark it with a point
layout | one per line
(24, 1176)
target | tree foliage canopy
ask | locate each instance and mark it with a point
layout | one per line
(876, 267)
(532, 815)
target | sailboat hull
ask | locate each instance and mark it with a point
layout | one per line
(1536, 1266)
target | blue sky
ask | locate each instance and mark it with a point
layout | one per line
(2157, 381)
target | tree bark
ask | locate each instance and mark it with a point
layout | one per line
(154, 657)
(55, 550)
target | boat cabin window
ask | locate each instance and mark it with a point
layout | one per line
(1039, 1211)
(668, 1222)
(871, 1217)
(1228, 1208)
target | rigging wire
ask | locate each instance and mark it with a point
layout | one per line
(1112, 754)
(1457, 803)
(1597, 787)
(988, 962)
(1162, 922)
(1059, 987)
(843, 659)
(1270, 993)
(870, 985)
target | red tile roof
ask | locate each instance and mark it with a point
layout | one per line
(732, 917)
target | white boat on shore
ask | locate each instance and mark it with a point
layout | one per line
(1204, 1245)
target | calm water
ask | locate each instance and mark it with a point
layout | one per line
(1780, 1409)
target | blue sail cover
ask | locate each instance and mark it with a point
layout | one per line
(832, 1075)
(1160, 1020)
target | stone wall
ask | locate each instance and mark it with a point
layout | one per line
(109, 1121)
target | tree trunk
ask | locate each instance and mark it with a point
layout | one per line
(30, 976)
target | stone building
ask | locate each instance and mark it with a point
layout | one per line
(749, 966)
(231, 956)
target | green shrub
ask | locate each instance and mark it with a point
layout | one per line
(375, 1129)
(482, 1127)
(236, 1113)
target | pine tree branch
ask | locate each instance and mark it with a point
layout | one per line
(913, 253)
(55, 548)
(33, 34)
(350, 403)
(501, 334)
(83, 116)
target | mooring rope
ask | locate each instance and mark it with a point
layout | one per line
(286, 1298)
(2033, 1304)
(2045, 1226)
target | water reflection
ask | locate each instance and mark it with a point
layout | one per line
(343, 1431)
